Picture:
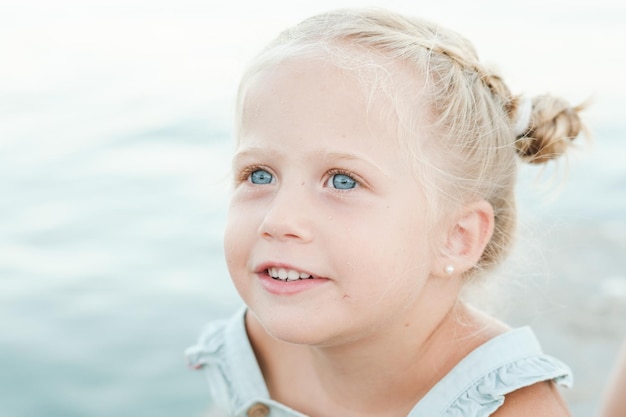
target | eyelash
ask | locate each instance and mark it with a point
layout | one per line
(244, 174)
(339, 171)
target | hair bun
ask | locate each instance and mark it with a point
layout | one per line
(552, 126)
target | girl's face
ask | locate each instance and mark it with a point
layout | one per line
(326, 239)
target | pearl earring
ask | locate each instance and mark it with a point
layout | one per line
(449, 269)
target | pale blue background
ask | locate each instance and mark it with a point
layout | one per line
(114, 144)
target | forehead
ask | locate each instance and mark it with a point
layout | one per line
(313, 106)
(323, 90)
(301, 85)
(388, 91)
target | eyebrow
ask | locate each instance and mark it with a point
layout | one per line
(340, 156)
(329, 157)
(254, 151)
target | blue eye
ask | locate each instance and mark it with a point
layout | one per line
(260, 176)
(343, 182)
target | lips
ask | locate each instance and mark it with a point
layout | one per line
(281, 279)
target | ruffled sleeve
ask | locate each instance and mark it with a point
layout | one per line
(476, 387)
(208, 354)
(209, 344)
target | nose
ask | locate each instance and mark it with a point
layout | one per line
(289, 215)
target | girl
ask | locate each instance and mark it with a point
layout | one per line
(374, 176)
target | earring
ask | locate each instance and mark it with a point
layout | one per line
(449, 269)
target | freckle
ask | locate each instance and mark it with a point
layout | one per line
(407, 324)
(302, 183)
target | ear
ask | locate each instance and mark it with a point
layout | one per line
(466, 238)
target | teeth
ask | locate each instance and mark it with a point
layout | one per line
(287, 274)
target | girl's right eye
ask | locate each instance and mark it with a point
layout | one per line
(260, 176)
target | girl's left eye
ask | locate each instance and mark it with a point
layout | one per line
(342, 181)
(260, 176)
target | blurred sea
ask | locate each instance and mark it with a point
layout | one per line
(114, 159)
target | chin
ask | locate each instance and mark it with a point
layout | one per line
(298, 330)
(289, 329)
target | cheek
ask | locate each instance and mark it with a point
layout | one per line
(236, 254)
(230, 249)
(237, 241)
(408, 242)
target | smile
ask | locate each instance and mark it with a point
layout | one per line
(283, 274)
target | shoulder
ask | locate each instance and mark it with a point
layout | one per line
(539, 400)
(507, 375)
(217, 337)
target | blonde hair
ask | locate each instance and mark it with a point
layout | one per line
(471, 113)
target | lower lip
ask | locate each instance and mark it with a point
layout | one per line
(278, 287)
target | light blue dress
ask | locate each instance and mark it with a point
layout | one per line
(476, 386)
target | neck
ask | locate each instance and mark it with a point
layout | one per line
(383, 374)
(379, 375)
